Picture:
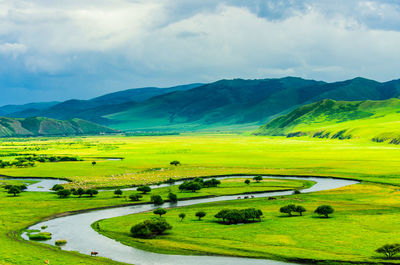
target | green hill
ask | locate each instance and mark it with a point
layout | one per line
(38, 126)
(375, 120)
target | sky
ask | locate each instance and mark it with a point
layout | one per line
(57, 50)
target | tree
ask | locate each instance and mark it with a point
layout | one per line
(91, 192)
(160, 211)
(324, 210)
(190, 185)
(79, 192)
(182, 216)
(150, 228)
(300, 209)
(23, 187)
(14, 190)
(94, 163)
(247, 181)
(175, 163)
(57, 187)
(64, 193)
(200, 214)
(172, 197)
(144, 189)
(389, 250)
(118, 192)
(170, 181)
(288, 209)
(157, 200)
(135, 197)
(211, 183)
(258, 178)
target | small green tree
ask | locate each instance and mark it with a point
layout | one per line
(247, 181)
(91, 192)
(160, 211)
(175, 163)
(135, 197)
(324, 210)
(157, 200)
(288, 209)
(14, 190)
(118, 192)
(144, 189)
(258, 178)
(57, 187)
(182, 216)
(79, 192)
(94, 163)
(300, 209)
(64, 193)
(389, 250)
(172, 197)
(200, 214)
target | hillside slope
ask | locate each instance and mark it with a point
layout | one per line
(375, 120)
(13, 127)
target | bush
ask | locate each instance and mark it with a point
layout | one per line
(40, 236)
(247, 181)
(144, 189)
(190, 185)
(135, 197)
(157, 200)
(60, 242)
(118, 192)
(239, 216)
(64, 193)
(200, 214)
(172, 197)
(160, 211)
(296, 192)
(324, 210)
(150, 228)
(389, 250)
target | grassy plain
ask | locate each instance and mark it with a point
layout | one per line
(367, 217)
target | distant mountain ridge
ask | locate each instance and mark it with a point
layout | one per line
(375, 120)
(15, 127)
(224, 105)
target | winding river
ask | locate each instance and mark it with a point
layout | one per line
(82, 238)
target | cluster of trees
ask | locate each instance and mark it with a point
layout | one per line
(161, 212)
(64, 193)
(323, 210)
(256, 179)
(229, 216)
(289, 209)
(29, 161)
(198, 184)
(15, 189)
(150, 228)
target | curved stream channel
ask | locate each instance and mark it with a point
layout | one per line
(82, 238)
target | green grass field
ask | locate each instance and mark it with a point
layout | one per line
(146, 160)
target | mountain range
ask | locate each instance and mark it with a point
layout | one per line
(224, 105)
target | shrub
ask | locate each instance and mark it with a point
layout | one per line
(135, 197)
(160, 211)
(182, 216)
(258, 178)
(200, 214)
(60, 242)
(157, 200)
(64, 193)
(40, 236)
(296, 192)
(150, 228)
(172, 197)
(190, 185)
(118, 192)
(389, 250)
(324, 210)
(144, 189)
(91, 192)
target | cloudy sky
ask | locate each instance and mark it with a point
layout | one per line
(55, 50)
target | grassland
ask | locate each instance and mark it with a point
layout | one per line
(366, 218)
(146, 160)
